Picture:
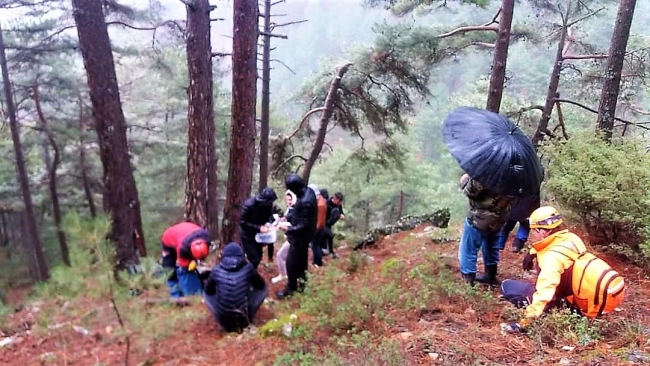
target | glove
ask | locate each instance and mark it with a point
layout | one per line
(528, 262)
(192, 266)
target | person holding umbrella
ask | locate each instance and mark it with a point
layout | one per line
(500, 165)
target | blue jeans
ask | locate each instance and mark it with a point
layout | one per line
(184, 283)
(522, 232)
(470, 243)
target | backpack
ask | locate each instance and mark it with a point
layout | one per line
(597, 288)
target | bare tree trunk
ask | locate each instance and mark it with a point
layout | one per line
(201, 187)
(611, 85)
(82, 163)
(324, 121)
(52, 184)
(498, 75)
(244, 93)
(121, 200)
(554, 82)
(266, 98)
(34, 245)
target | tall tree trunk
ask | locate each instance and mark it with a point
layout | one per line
(244, 93)
(328, 110)
(120, 196)
(611, 86)
(266, 98)
(201, 184)
(554, 82)
(33, 242)
(498, 75)
(85, 180)
(52, 168)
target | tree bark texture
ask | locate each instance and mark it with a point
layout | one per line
(244, 93)
(52, 168)
(120, 196)
(498, 74)
(83, 169)
(324, 120)
(611, 85)
(266, 99)
(34, 245)
(201, 181)
(554, 82)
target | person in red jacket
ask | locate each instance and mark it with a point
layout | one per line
(182, 245)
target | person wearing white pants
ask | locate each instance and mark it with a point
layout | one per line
(281, 262)
(281, 256)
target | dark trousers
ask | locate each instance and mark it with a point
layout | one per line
(327, 242)
(316, 248)
(253, 250)
(297, 262)
(520, 293)
(236, 320)
(270, 251)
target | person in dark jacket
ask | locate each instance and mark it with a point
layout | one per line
(234, 291)
(334, 214)
(256, 213)
(182, 245)
(299, 234)
(519, 213)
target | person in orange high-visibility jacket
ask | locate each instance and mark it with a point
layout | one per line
(566, 271)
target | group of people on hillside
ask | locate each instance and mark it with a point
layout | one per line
(234, 290)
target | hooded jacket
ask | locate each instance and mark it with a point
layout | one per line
(178, 239)
(303, 216)
(554, 279)
(256, 211)
(231, 281)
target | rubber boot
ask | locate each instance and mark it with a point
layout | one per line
(489, 277)
(517, 245)
(469, 278)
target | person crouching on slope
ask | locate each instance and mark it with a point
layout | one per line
(182, 245)
(566, 271)
(235, 290)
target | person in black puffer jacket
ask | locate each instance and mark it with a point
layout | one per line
(255, 213)
(234, 291)
(299, 234)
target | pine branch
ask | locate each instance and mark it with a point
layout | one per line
(473, 28)
(274, 25)
(283, 64)
(641, 124)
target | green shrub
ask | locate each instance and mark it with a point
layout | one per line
(605, 185)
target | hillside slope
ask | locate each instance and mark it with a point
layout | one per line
(400, 302)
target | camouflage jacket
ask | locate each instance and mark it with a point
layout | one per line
(488, 210)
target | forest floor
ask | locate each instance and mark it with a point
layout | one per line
(399, 302)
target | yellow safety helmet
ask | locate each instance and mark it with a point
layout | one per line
(545, 217)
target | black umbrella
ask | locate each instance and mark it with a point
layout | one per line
(493, 151)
